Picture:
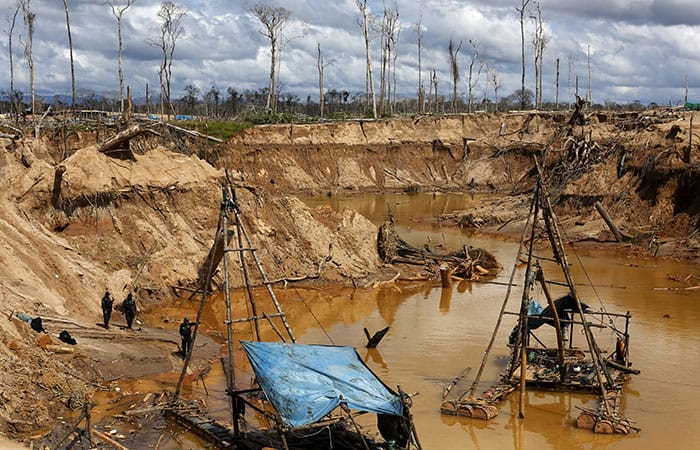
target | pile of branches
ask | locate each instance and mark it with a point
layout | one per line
(467, 263)
(578, 156)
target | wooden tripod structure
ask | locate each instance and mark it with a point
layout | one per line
(560, 367)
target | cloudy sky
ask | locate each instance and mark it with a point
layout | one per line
(640, 49)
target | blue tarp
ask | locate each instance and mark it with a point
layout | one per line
(306, 382)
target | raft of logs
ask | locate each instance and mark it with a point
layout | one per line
(468, 263)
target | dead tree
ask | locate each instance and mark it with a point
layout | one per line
(571, 61)
(421, 89)
(473, 80)
(29, 18)
(389, 37)
(539, 41)
(434, 88)
(118, 11)
(556, 97)
(10, 33)
(171, 29)
(496, 84)
(273, 19)
(590, 82)
(454, 69)
(521, 10)
(369, 79)
(70, 47)
(319, 65)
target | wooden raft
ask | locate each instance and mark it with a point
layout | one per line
(189, 415)
(483, 407)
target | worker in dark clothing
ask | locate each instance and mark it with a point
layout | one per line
(107, 302)
(186, 335)
(37, 325)
(129, 310)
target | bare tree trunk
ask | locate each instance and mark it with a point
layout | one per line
(571, 69)
(362, 5)
(118, 12)
(435, 85)
(454, 69)
(271, 85)
(471, 83)
(556, 98)
(70, 46)
(522, 50)
(13, 95)
(421, 88)
(686, 82)
(496, 84)
(319, 64)
(29, 18)
(590, 82)
(384, 46)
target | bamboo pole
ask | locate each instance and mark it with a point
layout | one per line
(557, 324)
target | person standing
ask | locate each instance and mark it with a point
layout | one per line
(186, 335)
(107, 302)
(129, 309)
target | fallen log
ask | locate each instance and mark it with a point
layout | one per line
(604, 214)
(120, 139)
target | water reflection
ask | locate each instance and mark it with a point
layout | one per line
(435, 333)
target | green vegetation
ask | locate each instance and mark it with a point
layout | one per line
(222, 129)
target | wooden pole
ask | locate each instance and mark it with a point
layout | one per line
(230, 380)
(557, 324)
(205, 291)
(524, 306)
(344, 407)
(244, 272)
(598, 365)
(604, 214)
(265, 280)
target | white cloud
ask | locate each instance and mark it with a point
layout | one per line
(640, 49)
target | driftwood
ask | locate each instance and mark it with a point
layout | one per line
(467, 263)
(373, 341)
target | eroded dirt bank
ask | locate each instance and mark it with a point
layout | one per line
(147, 224)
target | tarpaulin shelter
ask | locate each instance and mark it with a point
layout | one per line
(306, 382)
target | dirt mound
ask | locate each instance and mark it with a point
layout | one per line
(143, 226)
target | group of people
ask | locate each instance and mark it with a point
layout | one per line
(129, 310)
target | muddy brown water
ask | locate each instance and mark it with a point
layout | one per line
(436, 333)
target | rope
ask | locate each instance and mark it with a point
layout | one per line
(308, 308)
